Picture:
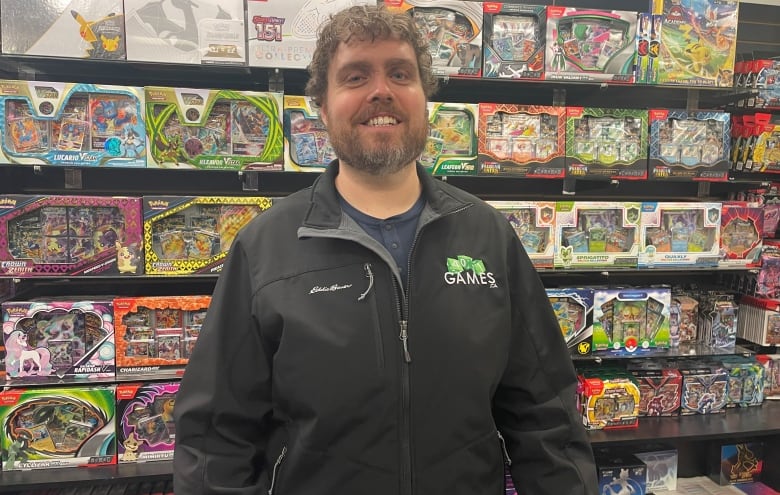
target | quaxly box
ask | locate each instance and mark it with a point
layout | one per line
(283, 33)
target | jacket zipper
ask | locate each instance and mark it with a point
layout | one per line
(277, 465)
(507, 459)
(407, 484)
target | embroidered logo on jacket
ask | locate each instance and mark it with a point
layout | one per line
(329, 288)
(465, 270)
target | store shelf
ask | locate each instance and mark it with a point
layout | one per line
(150, 472)
(684, 350)
(736, 423)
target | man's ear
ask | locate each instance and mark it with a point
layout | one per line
(324, 114)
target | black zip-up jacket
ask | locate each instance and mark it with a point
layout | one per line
(317, 373)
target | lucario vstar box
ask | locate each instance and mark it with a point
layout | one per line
(214, 129)
(63, 28)
(73, 124)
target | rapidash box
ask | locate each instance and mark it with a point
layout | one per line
(73, 124)
(50, 339)
(590, 45)
(451, 148)
(453, 30)
(689, 145)
(214, 129)
(523, 141)
(70, 235)
(69, 28)
(192, 234)
(155, 335)
(282, 33)
(145, 427)
(307, 147)
(606, 142)
(202, 32)
(58, 427)
(513, 40)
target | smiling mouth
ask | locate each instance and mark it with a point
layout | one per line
(381, 121)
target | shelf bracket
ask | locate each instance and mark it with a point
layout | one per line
(73, 178)
(704, 190)
(569, 186)
(692, 102)
(276, 81)
(559, 97)
(250, 180)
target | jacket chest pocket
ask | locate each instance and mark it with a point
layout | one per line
(334, 336)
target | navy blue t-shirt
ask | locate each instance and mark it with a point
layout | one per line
(395, 233)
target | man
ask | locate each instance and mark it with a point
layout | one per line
(380, 332)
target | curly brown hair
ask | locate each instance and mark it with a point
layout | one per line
(366, 23)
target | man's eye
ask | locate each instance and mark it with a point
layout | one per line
(400, 76)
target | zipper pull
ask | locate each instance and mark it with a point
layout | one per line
(404, 338)
(276, 469)
(370, 277)
(507, 459)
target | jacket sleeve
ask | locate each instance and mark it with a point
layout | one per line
(223, 404)
(535, 403)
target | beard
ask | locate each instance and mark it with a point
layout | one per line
(382, 158)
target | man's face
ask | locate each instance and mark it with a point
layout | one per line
(374, 107)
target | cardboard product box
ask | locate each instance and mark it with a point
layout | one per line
(58, 427)
(63, 28)
(170, 31)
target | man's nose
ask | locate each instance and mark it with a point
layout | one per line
(381, 90)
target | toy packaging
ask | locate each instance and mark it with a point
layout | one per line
(282, 33)
(574, 310)
(155, 335)
(534, 223)
(609, 399)
(513, 38)
(451, 148)
(621, 474)
(689, 145)
(660, 391)
(596, 234)
(192, 234)
(746, 381)
(683, 319)
(50, 339)
(58, 427)
(307, 147)
(698, 42)
(590, 45)
(176, 32)
(631, 319)
(759, 320)
(145, 427)
(63, 28)
(453, 29)
(522, 141)
(705, 388)
(606, 143)
(741, 226)
(214, 129)
(718, 320)
(674, 234)
(73, 124)
(738, 463)
(70, 235)
(661, 462)
(648, 38)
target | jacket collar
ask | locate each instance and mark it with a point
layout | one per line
(325, 211)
